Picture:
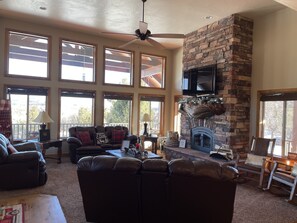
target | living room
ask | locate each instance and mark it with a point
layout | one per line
(273, 59)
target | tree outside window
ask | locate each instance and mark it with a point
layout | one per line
(77, 109)
(118, 109)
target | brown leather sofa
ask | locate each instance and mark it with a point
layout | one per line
(78, 149)
(20, 168)
(129, 190)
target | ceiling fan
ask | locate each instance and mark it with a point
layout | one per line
(143, 33)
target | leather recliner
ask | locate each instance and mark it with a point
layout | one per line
(129, 190)
(21, 168)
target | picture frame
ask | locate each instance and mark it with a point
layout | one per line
(125, 144)
(44, 135)
(182, 143)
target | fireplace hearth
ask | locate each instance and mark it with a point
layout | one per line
(202, 139)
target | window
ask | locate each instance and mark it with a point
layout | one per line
(78, 61)
(118, 109)
(118, 67)
(152, 71)
(278, 119)
(76, 109)
(26, 103)
(27, 55)
(177, 114)
(154, 107)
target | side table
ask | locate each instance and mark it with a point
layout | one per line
(154, 140)
(44, 145)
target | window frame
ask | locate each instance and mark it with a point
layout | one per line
(132, 67)
(32, 34)
(33, 89)
(93, 93)
(281, 95)
(115, 94)
(162, 109)
(94, 60)
(164, 58)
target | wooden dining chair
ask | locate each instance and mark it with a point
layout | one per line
(255, 161)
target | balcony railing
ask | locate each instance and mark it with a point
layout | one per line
(19, 131)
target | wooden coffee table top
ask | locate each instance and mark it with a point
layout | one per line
(118, 153)
(38, 208)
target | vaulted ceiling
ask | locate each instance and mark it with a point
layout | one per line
(162, 16)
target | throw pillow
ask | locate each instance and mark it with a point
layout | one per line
(84, 137)
(294, 170)
(254, 160)
(117, 136)
(101, 138)
(3, 147)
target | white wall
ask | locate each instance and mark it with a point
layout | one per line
(274, 55)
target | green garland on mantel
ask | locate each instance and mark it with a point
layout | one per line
(202, 107)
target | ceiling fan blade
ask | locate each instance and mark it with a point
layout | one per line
(128, 34)
(128, 43)
(168, 35)
(155, 43)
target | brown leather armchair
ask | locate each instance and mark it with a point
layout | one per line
(20, 168)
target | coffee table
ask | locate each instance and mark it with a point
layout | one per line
(118, 153)
(38, 208)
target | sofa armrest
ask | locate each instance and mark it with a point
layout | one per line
(74, 140)
(26, 146)
(22, 157)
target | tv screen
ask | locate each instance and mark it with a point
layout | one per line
(199, 81)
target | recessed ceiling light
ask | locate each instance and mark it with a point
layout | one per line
(208, 17)
(42, 8)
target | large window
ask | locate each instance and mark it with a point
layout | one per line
(76, 109)
(152, 71)
(278, 119)
(118, 109)
(28, 55)
(78, 61)
(118, 67)
(153, 105)
(26, 103)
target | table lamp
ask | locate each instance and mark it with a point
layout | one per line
(146, 118)
(43, 118)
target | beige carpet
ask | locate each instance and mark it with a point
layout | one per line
(251, 206)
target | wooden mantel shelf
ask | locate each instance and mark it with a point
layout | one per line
(191, 154)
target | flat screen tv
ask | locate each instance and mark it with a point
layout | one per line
(200, 81)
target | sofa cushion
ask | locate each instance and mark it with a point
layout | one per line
(117, 136)
(84, 137)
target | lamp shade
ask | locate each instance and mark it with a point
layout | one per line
(146, 117)
(43, 117)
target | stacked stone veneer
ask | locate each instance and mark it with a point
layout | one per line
(227, 43)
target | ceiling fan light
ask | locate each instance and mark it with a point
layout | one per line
(142, 27)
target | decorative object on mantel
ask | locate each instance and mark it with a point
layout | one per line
(202, 107)
(172, 139)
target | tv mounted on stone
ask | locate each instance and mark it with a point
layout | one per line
(201, 80)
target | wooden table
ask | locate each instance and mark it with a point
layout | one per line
(118, 153)
(38, 208)
(44, 145)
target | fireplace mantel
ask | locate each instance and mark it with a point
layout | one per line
(191, 154)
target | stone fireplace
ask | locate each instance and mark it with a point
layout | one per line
(228, 44)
